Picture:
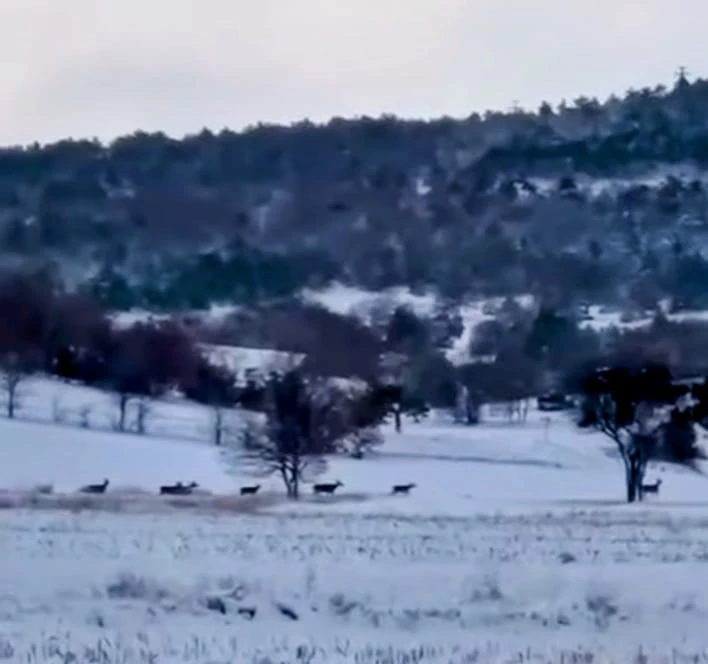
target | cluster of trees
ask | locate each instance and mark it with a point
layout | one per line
(630, 387)
(493, 204)
(47, 329)
(517, 355)
(641, 407)
(521, 353)
(642, 387)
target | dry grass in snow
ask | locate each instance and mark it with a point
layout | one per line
(559, 586)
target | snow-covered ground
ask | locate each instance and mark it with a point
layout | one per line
(513, 546)
(52, 401)
(351, 589)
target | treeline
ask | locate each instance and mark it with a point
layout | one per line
(525, 352)
(46, 329)
(518, 354)
(510, 200)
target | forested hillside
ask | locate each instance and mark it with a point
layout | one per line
(602, 201)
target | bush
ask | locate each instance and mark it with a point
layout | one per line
(151, 358)
(211, 385)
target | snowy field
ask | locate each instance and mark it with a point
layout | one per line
(49, 400)
(514, 546)
(340, 588)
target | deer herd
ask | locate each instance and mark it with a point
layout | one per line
(179, 489)
(327, 488)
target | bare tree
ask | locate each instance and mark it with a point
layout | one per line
(217, 425)
(286, 441)
(143, 408)
(128, 381)
(304, 420)
(13, 373)
(467, 406)
(85, 416)
(634, 407)
(221, 426)
(285, 446)
(215, 387)
(121, 400)
(264, 452)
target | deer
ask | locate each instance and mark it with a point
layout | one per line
(250, 490)
(402, 488)
(95, 488)
(178, 489)
(328, 488)
(651, 488)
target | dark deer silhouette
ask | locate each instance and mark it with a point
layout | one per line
(326, 488)
(95, 488)
(250, 490)
(402, 488)
(651, 488)
(178, 489)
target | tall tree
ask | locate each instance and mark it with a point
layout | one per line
(644, 413)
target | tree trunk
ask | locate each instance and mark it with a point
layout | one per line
(141, 417)
(634, 476)
(471, 412)
(295, 476)
(631, 486)
(397, 418)
(291, 478)
(122, 407)
(218, 426)
(11, 403)
(635, 462)
(286, 480)
(296, 484)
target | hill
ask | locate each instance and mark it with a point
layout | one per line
(610, 194)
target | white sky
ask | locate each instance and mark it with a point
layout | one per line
(108, 67)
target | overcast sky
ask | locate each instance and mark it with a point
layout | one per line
(107, 67)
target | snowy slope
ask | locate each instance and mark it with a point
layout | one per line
(67, 457)
(458, 470)
(49, 400)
